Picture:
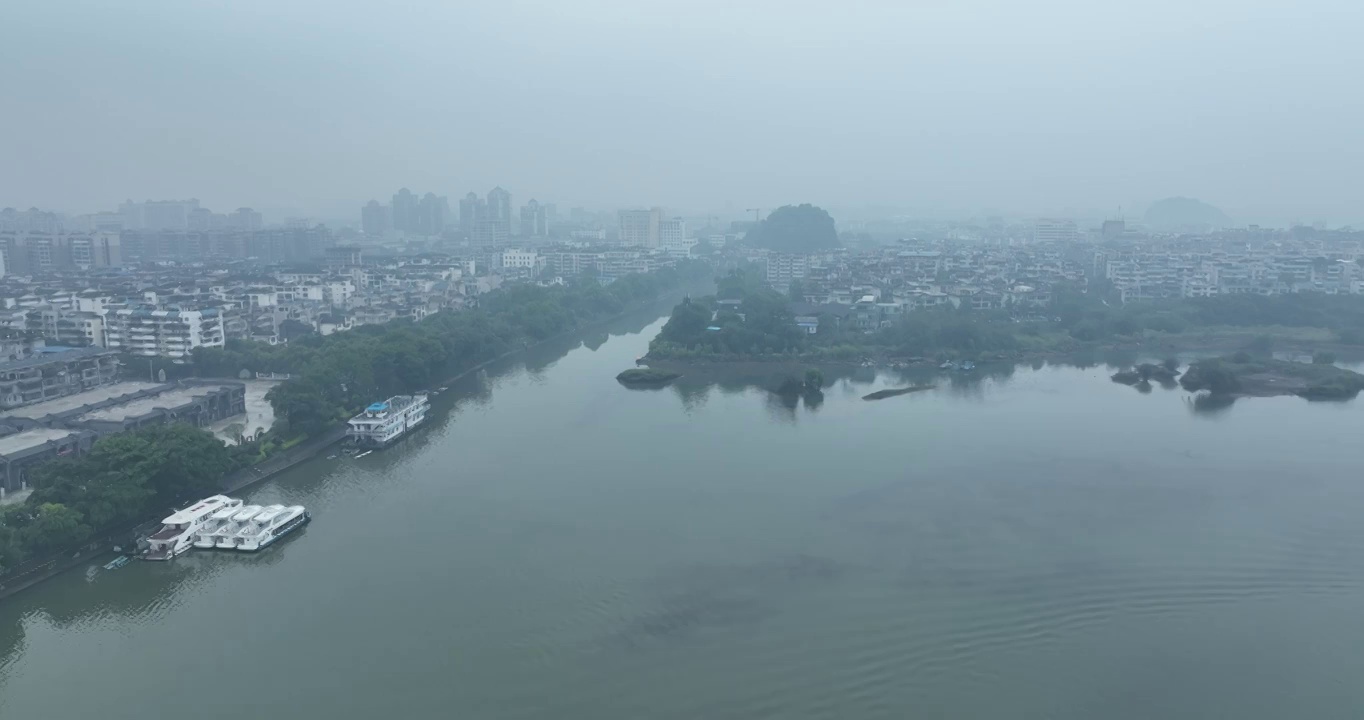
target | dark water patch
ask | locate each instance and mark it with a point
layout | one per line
(682, 616)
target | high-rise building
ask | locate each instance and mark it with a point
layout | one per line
(1054, 230)
(374, 218)
(489, 232)
(534, 219)
(244, 219)
(203, 219)
(406, 211)
(30, 220)
(641, 227)
(158, 214)
(37, 253)
(499, 205)
(671, 232)
(472, 210)
(433, 214)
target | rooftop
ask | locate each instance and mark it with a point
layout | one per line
(47, 358)
(142, 406)
(28, 439)
(56, 406)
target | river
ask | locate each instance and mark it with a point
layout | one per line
(1034, 543)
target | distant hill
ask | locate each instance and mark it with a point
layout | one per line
(1184, 214)
(794, 228)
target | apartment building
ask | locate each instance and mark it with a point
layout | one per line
(172, 333)
(57, 374)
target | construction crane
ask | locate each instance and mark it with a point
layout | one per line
(756, 212)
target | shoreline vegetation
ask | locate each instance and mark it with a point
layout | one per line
(127, 478)
(746, 321)
(1243, 375)
(647, 377)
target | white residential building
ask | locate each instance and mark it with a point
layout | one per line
(640, 227)
(165, 333)
(527, 259)
(1054, 230)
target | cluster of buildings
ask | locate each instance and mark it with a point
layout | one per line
(875, 286)
(1252, 261)
(58, 401)
(871, 289)
(481, 220)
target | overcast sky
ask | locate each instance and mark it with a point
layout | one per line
(942, 106)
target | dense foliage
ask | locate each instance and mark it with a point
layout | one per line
(120, 481)
(334, 375)
(1087, 320)
(646, 376)
(795, 229)
(1075, 319)
(1243, 371)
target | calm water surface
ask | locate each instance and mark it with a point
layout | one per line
(1035, 544)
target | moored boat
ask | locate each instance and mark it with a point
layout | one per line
(383, 422)
(225, 538)
(178, 531)
(204, 537)
(271, 524)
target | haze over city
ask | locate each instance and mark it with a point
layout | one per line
(932, 108)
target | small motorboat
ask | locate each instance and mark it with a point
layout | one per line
(117, 562)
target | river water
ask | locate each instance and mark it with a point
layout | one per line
(1040, 543)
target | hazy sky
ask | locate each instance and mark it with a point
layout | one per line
(938, 105)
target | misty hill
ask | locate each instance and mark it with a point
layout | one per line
(1187, 214)
(794, 228)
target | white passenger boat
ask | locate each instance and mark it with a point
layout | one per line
(204, 537)
(178, 531)
(383, 422)
(226, 536)
(273, 523)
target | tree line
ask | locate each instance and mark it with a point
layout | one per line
(335, 375)
(761, 324)
(123, 479)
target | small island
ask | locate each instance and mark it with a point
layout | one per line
(1246, 376)
(647, 377)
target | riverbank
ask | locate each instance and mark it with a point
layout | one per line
(37, 570)
(1299, 341)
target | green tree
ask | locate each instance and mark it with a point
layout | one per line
(301, 404)
(1171, 364)
(1210, 375)
(11, 545)
(292, 330)
(54, 527)
(1323, 358)
(192, 463)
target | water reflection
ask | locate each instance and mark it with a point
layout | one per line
(1207, 405)
(697, 381)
